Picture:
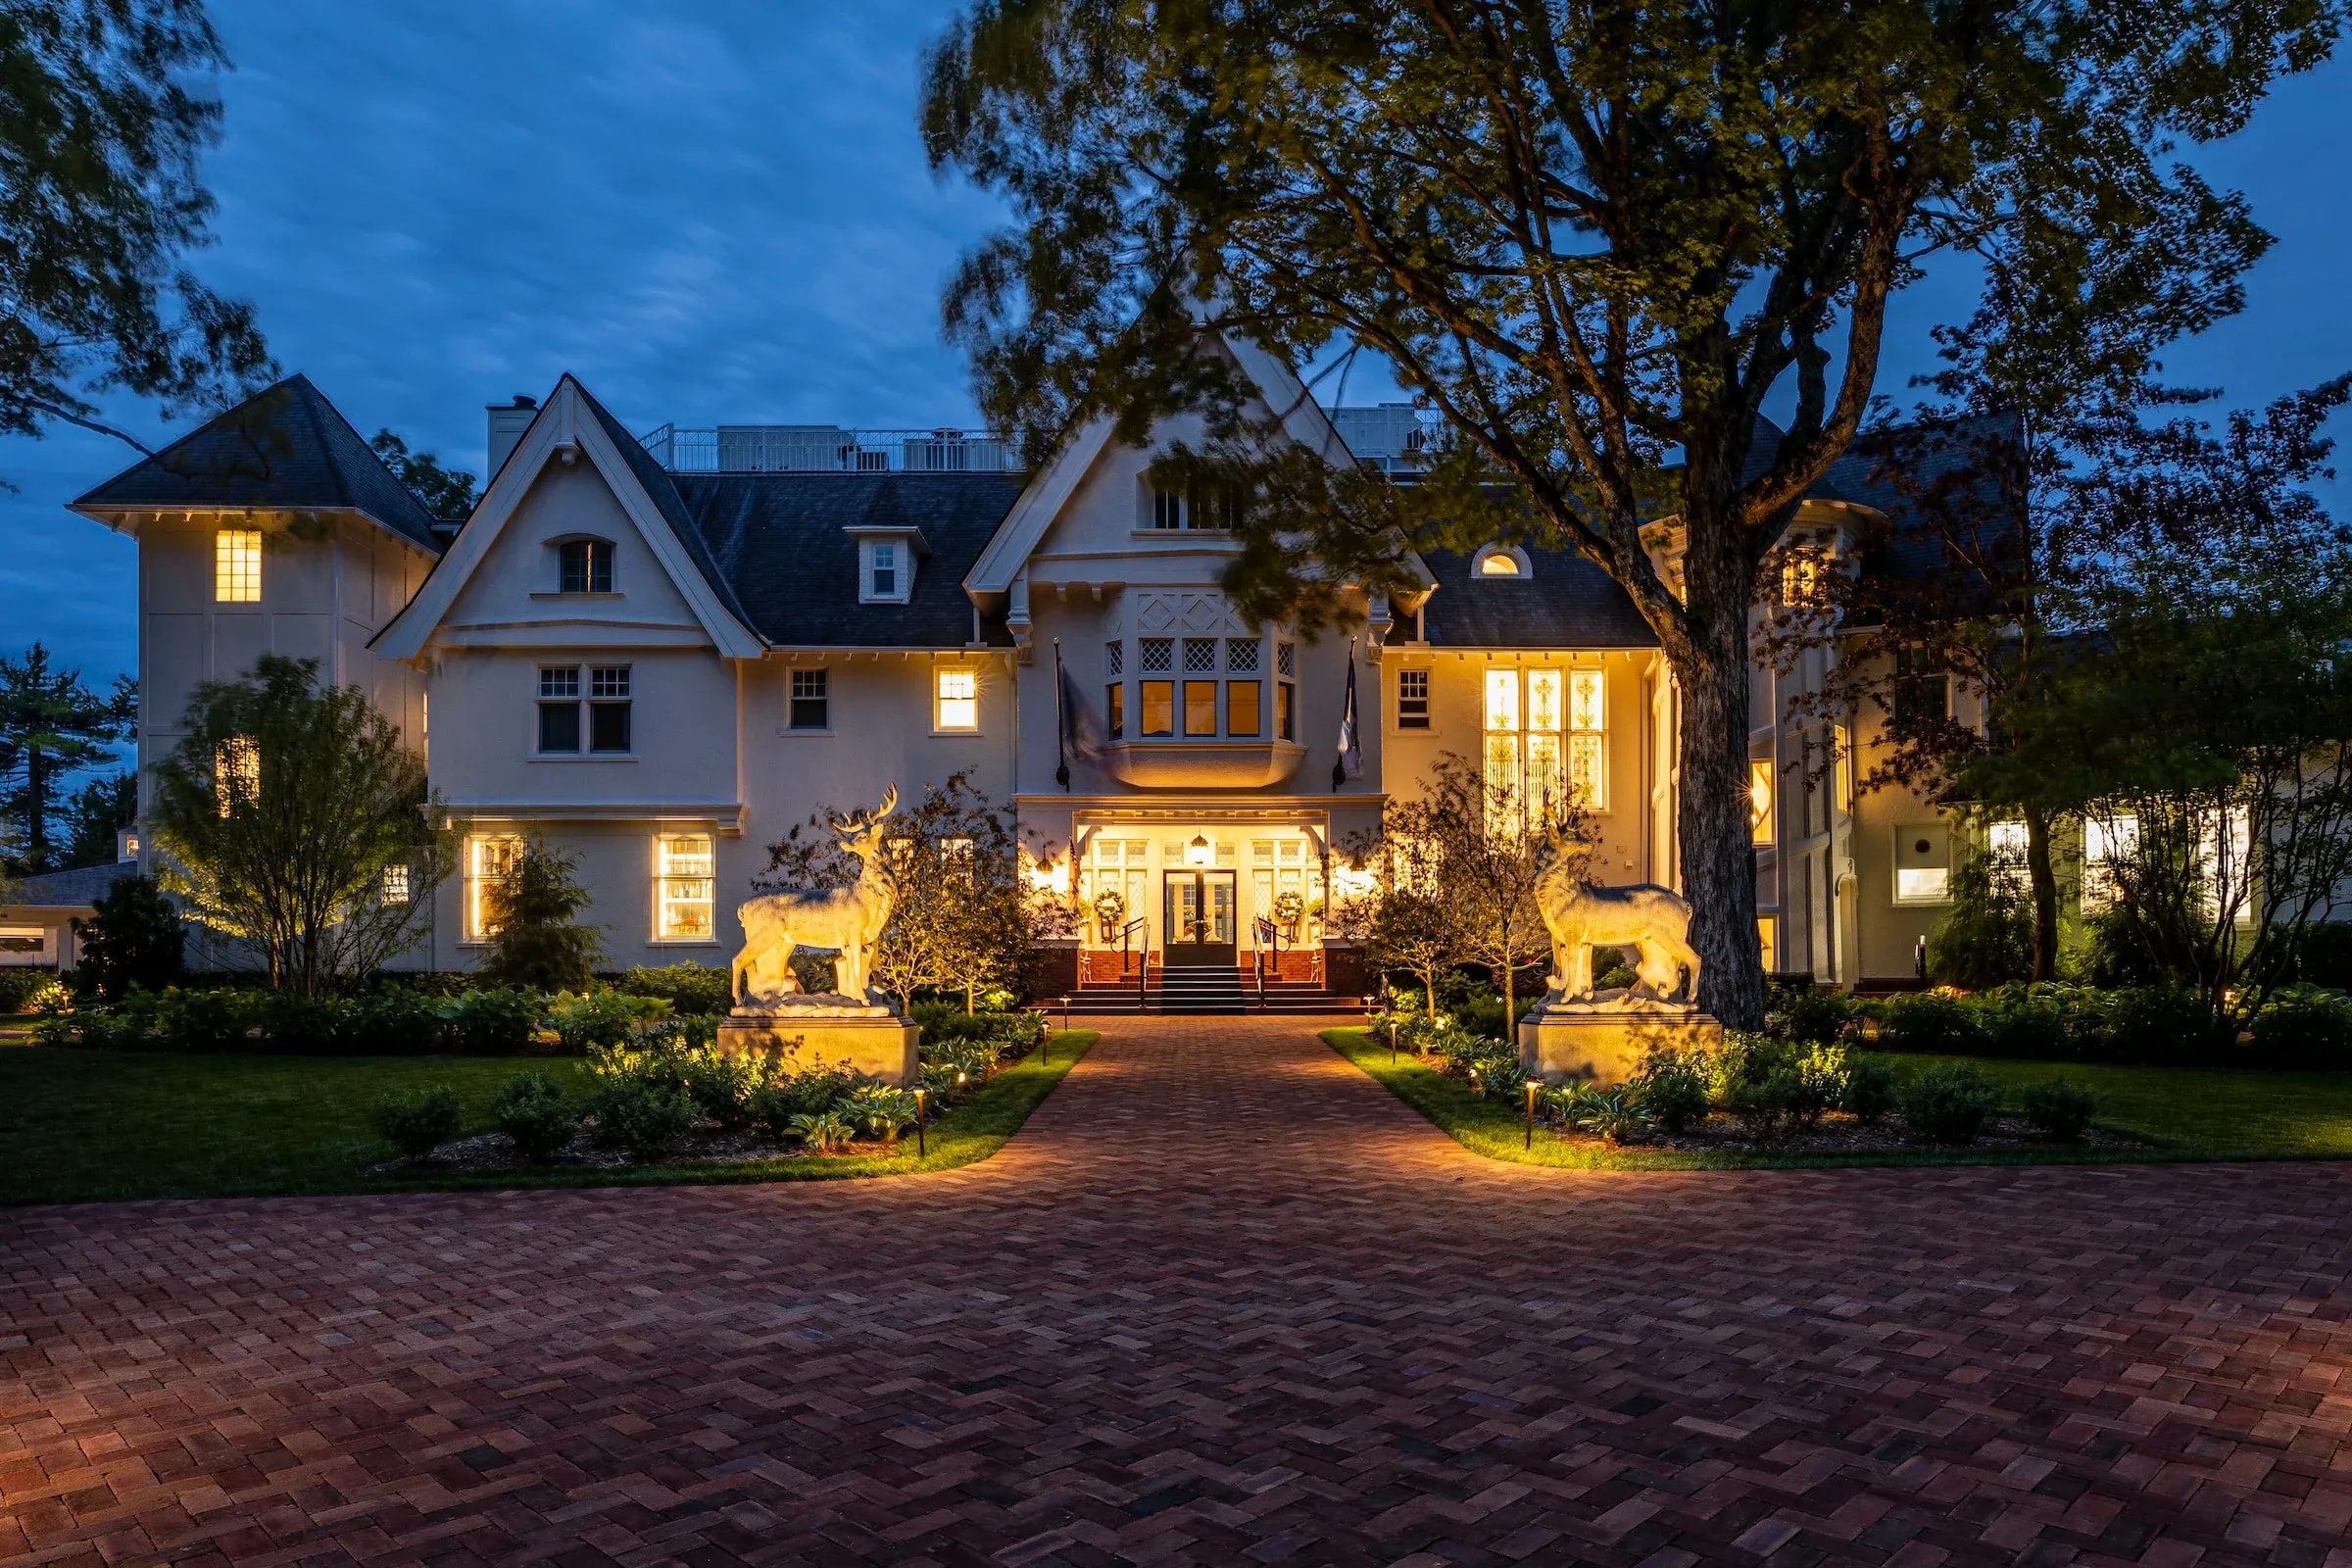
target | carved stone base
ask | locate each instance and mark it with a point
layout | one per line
(877, 1045)
(1606, 1046)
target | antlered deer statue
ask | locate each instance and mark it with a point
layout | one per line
(850, 919)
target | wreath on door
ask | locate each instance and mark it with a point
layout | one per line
(1110, 911)
(1289, 909)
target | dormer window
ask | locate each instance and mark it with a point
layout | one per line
(886, 558)
(585, 567)
(884, 579)
(1501, 561)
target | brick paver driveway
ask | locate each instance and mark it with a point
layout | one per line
(1223, 1301)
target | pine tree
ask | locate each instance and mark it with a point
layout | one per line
(51, 724)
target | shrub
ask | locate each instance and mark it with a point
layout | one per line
(778, 1104)
(1934, 1021)
(1615, 1115)
(1819, 1079)
(2158, 1024)
(1870, 1092)
(209, 1020)
(2021, 1021)
(686, 987)
(298, 1024)
(2324, 957)
(29, 990)
(647, 1120)
(497, 1022)
(417, 1122)
(1811, 1016)
(1610, 971)
(534, 942)
(1950, 1103)
(1744, 1057)
(1985, 937)
(1673, 1088)
(600, 1018)
(133, 937)
(1770, 1108)
(882, 1111)
(2058, 1109)
(389, 1021)
(826, 1132)
(533, 1110)
(722, 1085)
(2304, 1027)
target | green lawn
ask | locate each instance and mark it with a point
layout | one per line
(78, 1125)
(2187, 1113)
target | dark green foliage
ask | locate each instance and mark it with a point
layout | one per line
(417, 1122)
(532, 911)
(686, 987)
(292, 1022)
(1011, 1033)
(1870, 1089)
(1674, 1089)
(535, 1112)
(1933, 1022)
(389, 1021)
(647, 1120)
(133, 937)
(775, 1102)
(2304, 1027)
(1950, 1103)
(721, 1086)
(96, 814)
(1986, 938)
(50, 724)
(2325, 955)
(497, 1022)
(2058, 1109)
(2024, 1021)
(1809, 1014)
(2159, 1024)
(443, 491)
(1616, 1116)
(600, 1018)
(18, 987)
(1610, 970)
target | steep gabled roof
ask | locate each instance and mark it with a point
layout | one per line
(284, 449)
(781, 542)
(1563, 601)
(655, 481)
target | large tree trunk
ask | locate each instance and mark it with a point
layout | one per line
(2042, 878)
(1718, 846)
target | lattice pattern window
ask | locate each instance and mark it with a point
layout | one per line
(396, 884)
(1242, 655)
(1286, 660)
(1199, 656)
(684, 887)
(237, 566)
(1160, 655)
(1114, 660)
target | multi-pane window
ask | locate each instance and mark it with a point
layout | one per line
(584, 567)
(956, 703)
(1120, 867)
(237, 566)
(812, 704)
(1168, 507)
(1241, 655)
(1160, 655)
(607, 728)
(236, 772)
(396, 884)
(1413, 699)
(684, 885)
(490, 860)
(1280, 867)
(1286, 691)
(1922, 694)
(1157, 656)
(1759, 802)
(1545, 742)
(1199, 656)
(886, 571)
(1114, 660)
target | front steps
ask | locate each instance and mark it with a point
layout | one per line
(1206, 988)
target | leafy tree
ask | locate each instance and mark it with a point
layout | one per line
(1408, 925)
(444, 492)
(1594, 238)
(50, 725)
(1986, 938)
(533, 917)
(97, 811)
(132, 938)
(108, 111)
(291, 815)
(964, 914)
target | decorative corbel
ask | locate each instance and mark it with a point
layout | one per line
(1016, 618)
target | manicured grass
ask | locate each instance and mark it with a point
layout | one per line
(81, 1125)
(2187, 1114)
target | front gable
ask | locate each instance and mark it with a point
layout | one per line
(570, 478)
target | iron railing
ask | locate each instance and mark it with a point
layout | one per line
(829, 449)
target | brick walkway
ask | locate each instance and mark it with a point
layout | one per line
(1223, 1301)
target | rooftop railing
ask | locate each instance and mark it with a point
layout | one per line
(828, 449)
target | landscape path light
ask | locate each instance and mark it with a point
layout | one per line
(921, 1146)
(1534, 1088)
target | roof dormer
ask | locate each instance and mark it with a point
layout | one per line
(887, 556)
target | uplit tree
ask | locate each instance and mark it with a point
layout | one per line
(291, 815)
(1596, 239)
(532, 915)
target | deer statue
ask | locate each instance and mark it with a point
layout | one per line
(1655, 922)
(850, 919)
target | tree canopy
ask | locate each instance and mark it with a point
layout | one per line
(1596, 239)
(52, 725)
(444, 492)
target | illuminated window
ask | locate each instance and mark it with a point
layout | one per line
(1115, 707)
(2223, 857)
(1759, 802)
(396, 884)
(1413, 699)
(1244, 704)
(2005, 845)
(1286, 691)
(957, 706)
(2105, 841)
(237, 566)
(684, 885)
(1199, 707)
(1546, 740)
(1923, 864)
(23, 939)
(1768, 932)
(1501, 561)
(237, 772)
(490, 860)
(1159, 708)
(584, 567)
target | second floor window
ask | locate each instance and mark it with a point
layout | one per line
(606, 726)
(1413, 699)
(586, 567)
(1115, 705)
(237, 566)
(811, 706)
(957, 705)
(886, 571)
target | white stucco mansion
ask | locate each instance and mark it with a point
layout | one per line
(662, 652)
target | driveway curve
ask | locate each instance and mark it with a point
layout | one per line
(1223, 1300)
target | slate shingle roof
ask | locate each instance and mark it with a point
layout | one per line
(1565, 601)
(76, 889)
(286, 448)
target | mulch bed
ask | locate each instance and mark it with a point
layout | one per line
(496, 1151)
(1840, 1134)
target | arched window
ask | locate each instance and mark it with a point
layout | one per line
(1501, 561)
(584, 567)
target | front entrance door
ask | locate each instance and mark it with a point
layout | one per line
(1198, 917)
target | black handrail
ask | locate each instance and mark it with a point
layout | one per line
(1143, 978)
(1271, 938)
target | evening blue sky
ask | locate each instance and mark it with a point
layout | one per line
(729, 218)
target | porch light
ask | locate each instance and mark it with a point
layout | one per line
(1197, 852)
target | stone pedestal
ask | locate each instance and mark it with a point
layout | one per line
(1605, 1044)
(813, 1032)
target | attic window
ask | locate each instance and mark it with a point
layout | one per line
(1501, 561)
(585, 567)
(885, 571)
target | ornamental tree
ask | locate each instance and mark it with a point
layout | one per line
(1596, 239)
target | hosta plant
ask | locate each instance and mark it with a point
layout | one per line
(882, 1111)
(826, 1132)
(1614, 1115)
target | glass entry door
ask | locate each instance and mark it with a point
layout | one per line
(1198, 917)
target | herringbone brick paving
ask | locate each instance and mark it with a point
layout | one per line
(1222, 1302)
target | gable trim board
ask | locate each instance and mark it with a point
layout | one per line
(560, 433)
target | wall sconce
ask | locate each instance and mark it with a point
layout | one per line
(1197, 852)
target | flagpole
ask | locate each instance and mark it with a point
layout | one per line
(1061, 725)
